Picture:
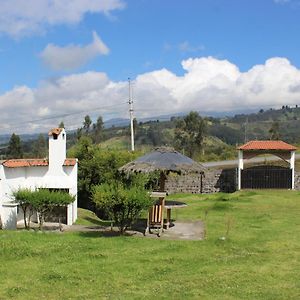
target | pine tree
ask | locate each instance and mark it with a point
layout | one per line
(39, 147)
(61, 125)
(14, 147)
(274, 131)
(98, 130)
(87, 123)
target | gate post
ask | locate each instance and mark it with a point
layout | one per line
(292, 167)
(240, 168)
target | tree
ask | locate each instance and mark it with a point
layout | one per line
(135, 125)
(44, 201)
(96, 166)
(24, 197)
(39, 147)
(122, 205)
(87, 123)
(41, 201)
(274, 131)
(155, 135)
(61, 125)
(98, 130)
(14, 147)
(189, 133)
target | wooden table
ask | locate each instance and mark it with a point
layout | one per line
(169, 205)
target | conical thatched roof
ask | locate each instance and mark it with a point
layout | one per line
(163, 159)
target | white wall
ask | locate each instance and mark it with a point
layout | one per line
(54, 176)
(9, 215)
(12, 179)
(57, 153)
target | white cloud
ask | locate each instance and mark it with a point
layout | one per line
(208, 85)
(26, 17)
(187, 47)
(73, 56)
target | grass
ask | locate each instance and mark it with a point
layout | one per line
(122, 142)
(88, 218)
(259, 259)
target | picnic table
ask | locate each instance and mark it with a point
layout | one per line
(169, 205)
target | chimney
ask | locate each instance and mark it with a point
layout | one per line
(57, 150)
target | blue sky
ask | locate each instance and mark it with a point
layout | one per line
(58, 58)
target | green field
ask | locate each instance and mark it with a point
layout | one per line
(259, 258)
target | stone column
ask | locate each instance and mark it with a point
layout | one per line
(240, 168)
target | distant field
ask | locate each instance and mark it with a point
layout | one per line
(251, 251)
(117, 143)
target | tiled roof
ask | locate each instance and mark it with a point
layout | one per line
(267, 145)
(20, 163)
(70, 162)
(55, 131)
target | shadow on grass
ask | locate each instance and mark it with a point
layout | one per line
(96, 222)
(104, 231)
(105, 234)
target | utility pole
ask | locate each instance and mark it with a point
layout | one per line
(130, 102)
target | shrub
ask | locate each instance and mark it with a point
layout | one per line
(42, 201)
(24, 197)
(122, 204)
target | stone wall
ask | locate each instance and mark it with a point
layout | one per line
(214, 180)
(220, 180)
(297, 181)
(185, 183)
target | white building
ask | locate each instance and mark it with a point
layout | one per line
(57, 172)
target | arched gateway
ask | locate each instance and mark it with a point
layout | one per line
(266, 176)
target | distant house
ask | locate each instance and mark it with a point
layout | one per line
(266, 176)
(57, 172)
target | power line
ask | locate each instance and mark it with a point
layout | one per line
(17, 125)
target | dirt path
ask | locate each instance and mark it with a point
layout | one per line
(189, 230)
(180, 231)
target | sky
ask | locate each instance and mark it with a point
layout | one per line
(61, 59)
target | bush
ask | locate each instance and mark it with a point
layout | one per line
(24, 197)
(42, 201)
(123, 205)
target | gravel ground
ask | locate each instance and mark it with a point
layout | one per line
(178, 230)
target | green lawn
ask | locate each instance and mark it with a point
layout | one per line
(259, 259)
(89, 218)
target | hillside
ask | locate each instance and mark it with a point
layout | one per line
(220, 138)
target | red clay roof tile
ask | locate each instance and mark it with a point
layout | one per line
(70, 162)
(267, 145)
(55, 131)
(20, 163)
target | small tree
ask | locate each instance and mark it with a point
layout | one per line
(24, 197)
(122, 205)
(41, 201)
(14, 147)
(87, 123)
(40, 146)
(274, 131)
(44, 201)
